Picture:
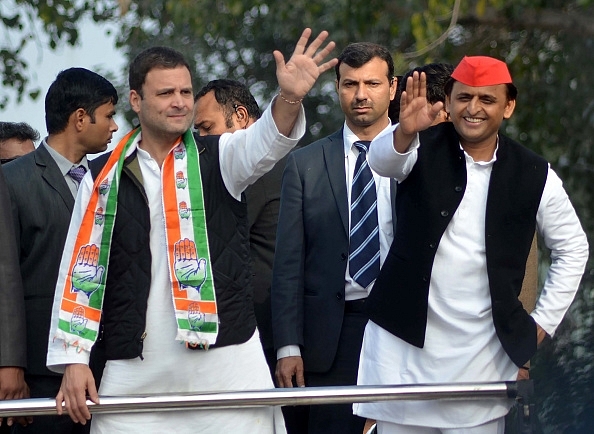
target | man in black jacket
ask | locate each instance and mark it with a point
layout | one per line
(445, 307)
(177, 271)
(225, 106)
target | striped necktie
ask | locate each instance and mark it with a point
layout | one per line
(364, 251)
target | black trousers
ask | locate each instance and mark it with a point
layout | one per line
(334, 418)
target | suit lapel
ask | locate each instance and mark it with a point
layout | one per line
(334, 158)
(52, 175)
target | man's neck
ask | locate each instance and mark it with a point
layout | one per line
(369, 132)
(157, 147)
(480, 153)
(66, 146)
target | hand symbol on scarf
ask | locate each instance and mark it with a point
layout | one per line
(189, 270)
(195, 317)
(78, 321)
(86, 275)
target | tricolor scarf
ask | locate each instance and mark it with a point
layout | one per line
(188, 255)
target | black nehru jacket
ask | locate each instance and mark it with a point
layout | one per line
(425, 204)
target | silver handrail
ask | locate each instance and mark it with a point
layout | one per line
(262, 398)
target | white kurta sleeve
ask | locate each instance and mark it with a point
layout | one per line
(558, 224)
(386, 161)
(248, 154)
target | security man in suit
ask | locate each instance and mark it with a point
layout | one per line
(12, 309)
(79, 116)
(225, 106)
(326, 261)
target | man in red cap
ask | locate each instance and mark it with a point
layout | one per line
(445, 306)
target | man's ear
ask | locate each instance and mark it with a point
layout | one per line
(510, 105)
(243, 117)
(78, 118)
(135, 100)
(446, 105)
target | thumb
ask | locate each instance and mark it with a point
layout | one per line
(279, 59)
(100, 271)
(436, 108)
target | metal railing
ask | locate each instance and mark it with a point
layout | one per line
(519, 391)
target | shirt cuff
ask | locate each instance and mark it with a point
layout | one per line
(288, 351)
(59, 356)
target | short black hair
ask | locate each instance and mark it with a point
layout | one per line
(151, 58)
(437, 74)
(358, 54)
(72, 89)
(18, 130)
(229, 94)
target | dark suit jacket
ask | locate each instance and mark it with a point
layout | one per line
(263, 203)
(41, 207)
(12, 309)
(308, 286)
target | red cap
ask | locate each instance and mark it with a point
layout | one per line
(481, 71)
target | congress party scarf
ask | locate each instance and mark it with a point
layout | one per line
(190, 269)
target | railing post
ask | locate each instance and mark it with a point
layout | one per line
(526, 411)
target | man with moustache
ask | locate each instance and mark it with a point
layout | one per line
(320, 279)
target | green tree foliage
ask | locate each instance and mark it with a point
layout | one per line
(546, 43)
(59, 21)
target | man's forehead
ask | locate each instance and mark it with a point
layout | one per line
(495, 90)
(158, 74)
(14, 142)
(375, 67)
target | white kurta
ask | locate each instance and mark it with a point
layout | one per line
(461, 344)
(167, 366)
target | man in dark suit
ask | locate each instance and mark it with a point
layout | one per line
(317, 295)
(13, 356)
(225, 106)
(79, 108)
(16, 140)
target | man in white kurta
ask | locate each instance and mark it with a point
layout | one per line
(461, 344)
(165, 109)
